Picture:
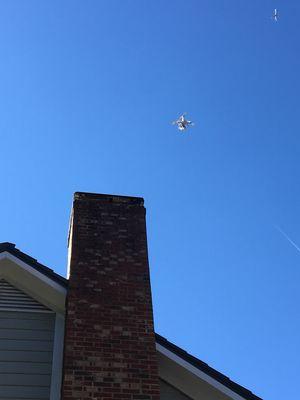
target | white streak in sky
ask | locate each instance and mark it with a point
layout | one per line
(287, 237)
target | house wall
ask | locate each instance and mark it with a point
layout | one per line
(31, 344)
(26, 348)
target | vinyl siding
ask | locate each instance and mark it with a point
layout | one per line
(26, 347)
(12, 298)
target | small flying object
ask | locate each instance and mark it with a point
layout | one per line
(275, 15)
(182, 123)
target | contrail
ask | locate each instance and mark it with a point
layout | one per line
(287, 237)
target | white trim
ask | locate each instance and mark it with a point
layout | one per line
(33, 271)
(57, 358)
(202, 375)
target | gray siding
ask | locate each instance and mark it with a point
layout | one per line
(12, 298)
(169, 392)
(26, 347)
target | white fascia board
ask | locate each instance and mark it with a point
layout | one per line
(33, 271)
(202, 375)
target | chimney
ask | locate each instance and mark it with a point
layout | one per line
(109, 350)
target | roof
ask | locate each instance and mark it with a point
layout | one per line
(11, 248)
(202, 366)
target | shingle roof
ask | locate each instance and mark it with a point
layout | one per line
(202, 366)
(11, 248)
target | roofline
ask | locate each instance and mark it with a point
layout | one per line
(205, 368)
(32, 262)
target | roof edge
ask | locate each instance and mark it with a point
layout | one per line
(11, 248)
(205, 368)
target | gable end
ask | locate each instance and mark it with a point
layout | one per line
(14, 299)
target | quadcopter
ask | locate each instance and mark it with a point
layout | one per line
(182, 123)
(275, 15)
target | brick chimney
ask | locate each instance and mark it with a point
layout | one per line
(109, 350)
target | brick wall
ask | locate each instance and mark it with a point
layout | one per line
(109, 339)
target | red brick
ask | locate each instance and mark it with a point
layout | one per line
(109, 348)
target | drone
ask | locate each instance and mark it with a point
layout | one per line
(275, 15)
(182, 123)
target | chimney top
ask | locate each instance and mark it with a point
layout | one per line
(109, 198)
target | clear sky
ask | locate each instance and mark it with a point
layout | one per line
(88, 93)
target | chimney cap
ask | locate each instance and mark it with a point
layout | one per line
(109, 198)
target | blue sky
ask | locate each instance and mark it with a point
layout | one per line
(88, 91)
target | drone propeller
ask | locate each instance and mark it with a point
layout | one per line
(275, 15)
